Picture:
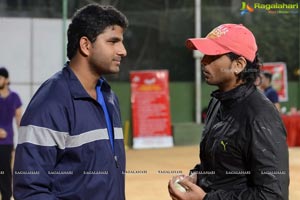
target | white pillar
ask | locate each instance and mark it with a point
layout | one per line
(198, 56)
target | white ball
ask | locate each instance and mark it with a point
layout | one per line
(178, 186)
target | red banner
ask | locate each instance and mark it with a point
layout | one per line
(279, 78)
(150, 103)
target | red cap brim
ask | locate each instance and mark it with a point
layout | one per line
(206, 46)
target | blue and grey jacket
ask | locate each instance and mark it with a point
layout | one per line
(64, 151)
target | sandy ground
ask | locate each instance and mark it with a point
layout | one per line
(149, 170)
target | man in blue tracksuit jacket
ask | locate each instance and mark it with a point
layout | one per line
(70, 142)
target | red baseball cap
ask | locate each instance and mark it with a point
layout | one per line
(226, 38)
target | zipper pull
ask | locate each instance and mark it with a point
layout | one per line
(116, 160)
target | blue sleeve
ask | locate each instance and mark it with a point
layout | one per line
(273, 96)
(30, 179)
(17, 101)
(41, 138)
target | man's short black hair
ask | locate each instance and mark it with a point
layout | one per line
(90, 21)
(4, 72)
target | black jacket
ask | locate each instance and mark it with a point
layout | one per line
(243, 151)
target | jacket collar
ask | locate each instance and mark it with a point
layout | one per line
(235, 95)
(76, 88)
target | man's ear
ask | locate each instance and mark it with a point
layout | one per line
(84, 46)
(240, 65)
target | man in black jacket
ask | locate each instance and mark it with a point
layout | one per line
(243, 151)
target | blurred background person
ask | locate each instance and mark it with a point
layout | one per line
(269, 91)
(10, 108)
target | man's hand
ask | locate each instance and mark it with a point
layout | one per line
(193, 192)
(3, 133)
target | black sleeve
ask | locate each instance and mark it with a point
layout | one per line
(196, 169)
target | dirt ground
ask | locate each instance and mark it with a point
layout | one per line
(149, 170)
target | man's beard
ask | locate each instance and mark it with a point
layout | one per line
(2, 86)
